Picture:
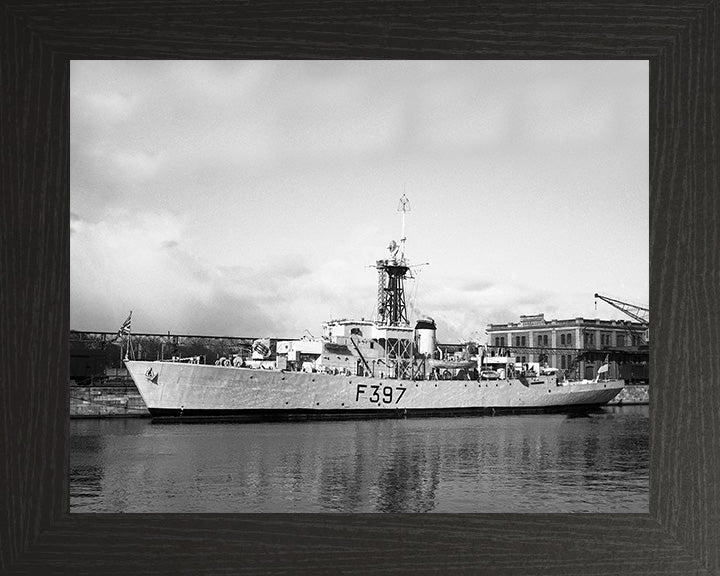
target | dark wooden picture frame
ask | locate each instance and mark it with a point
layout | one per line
(680, 535)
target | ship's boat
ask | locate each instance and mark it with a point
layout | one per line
(359, 368)
(453, 364)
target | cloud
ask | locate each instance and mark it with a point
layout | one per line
(75, 222)
(250, 197)
(477, 285)
(462, 306)
(112, 106)
(143, 265)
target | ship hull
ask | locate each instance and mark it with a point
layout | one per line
(193, 391)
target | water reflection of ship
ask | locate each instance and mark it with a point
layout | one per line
(521, 463)
(409, 480)
(382, 470)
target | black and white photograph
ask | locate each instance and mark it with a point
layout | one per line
(304, 286)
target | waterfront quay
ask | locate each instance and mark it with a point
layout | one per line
(115, 395)
(100, 386)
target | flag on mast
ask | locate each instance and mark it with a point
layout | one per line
(125, 328)
(606, 366)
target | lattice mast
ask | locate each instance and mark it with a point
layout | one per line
(392, 272)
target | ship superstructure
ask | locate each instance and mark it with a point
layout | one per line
(383, 348)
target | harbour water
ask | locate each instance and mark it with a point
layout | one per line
(596, 462)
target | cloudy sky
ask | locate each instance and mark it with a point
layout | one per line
(249, 198)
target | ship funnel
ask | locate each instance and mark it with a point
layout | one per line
(425, 336)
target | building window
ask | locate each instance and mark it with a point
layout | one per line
(517, 358)
(562, 341)
(523, 341)
(563, 363)
(497, 341)
(569, 339)
(502, 341)
(545, 339)
(522, 359)
(621, 340)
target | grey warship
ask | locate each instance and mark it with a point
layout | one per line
(387, 368)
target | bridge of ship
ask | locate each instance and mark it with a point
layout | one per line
(356, 346)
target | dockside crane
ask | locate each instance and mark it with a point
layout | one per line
(640, 314)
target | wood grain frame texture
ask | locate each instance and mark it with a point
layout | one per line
(681, 533)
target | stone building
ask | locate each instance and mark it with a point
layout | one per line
(556, 343)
